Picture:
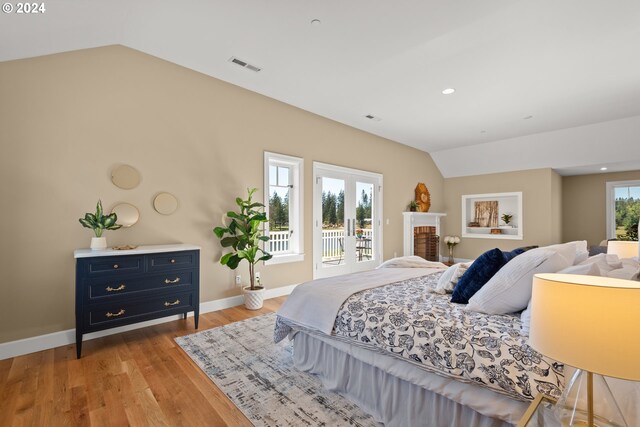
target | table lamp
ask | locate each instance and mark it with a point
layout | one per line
(622, 248)
(590, 323)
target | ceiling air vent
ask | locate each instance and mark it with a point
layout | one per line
(372, 117)
(244, 64)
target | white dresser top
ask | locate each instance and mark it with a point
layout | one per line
(149, 249)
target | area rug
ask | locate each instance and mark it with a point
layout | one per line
(259, 378)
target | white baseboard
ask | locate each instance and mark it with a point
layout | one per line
(57, 339)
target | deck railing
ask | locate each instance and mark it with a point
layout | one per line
(332, 241)
(278, 241)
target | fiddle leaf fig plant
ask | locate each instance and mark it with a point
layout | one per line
(99, 222)
(244, 236)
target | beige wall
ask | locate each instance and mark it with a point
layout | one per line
(541, 204)
(584, 213)
(557, 196)
(66, 120)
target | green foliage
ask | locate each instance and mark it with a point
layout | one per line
(627, 214)
(99, 222)
(278, 212)
(333, 208)
(506, 218)
(340, 207)
(363, 210)
(329, 209)
(244, 236)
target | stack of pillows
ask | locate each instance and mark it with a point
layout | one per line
(500, 282)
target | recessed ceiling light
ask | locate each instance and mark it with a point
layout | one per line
(448, 91)
(316, 22)
(483, 131)
(527, 117)
(603, 168)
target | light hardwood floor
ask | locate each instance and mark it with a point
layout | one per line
(137, 378)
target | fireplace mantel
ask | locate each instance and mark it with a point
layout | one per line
(418, 219)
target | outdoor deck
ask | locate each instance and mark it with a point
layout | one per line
(332, 244)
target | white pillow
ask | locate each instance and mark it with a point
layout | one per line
(579, 246)
(633, 262)
(605, 262)
(510, 289)
(450, 277)
(586, 269)
(445, 280)
(627, 273)
(581, 256)
(582, 250)
(571, 250)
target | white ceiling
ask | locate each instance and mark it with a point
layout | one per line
(567, 63)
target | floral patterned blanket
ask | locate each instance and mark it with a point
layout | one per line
(407, 320)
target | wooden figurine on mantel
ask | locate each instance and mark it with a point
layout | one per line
(423, 198)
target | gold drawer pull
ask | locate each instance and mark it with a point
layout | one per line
(173, 261)
(169, 281)
(115, 265)
(169, 304)
(119, 288)
(120, 313)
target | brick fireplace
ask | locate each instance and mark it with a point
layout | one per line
(422, 234)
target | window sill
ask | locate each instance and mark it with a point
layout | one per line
(284, 258)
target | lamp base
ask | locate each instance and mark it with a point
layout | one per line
(587, 401)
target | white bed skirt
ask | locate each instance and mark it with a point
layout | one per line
(394, 401)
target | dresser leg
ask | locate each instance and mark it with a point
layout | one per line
(78, 344)
(196, 317)
(184, 316)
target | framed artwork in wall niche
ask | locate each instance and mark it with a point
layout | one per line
(492, 216)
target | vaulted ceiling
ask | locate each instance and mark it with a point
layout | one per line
(519, 68)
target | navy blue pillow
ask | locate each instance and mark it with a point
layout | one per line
(527, 248)
(510, 255)
(479, 273)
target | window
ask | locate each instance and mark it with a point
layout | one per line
(283, 204)
(623, 209)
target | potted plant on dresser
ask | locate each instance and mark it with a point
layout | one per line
(244, 237)
(99, 222)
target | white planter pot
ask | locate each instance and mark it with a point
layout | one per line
(98, 243)
(253, 299)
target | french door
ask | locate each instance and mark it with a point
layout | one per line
(347, 220)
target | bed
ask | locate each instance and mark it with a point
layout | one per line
(408, 356)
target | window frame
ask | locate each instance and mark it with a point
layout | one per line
(611, 203)
(296, 205)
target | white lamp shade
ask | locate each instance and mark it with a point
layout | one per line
(588, 322)
(624, 249)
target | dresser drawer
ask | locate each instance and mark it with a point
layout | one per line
(108, 288)
(126, 311)
(172, 260)
(115, 265)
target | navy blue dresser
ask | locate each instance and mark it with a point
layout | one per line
(117, 288)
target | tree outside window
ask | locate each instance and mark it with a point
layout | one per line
(627, 212)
